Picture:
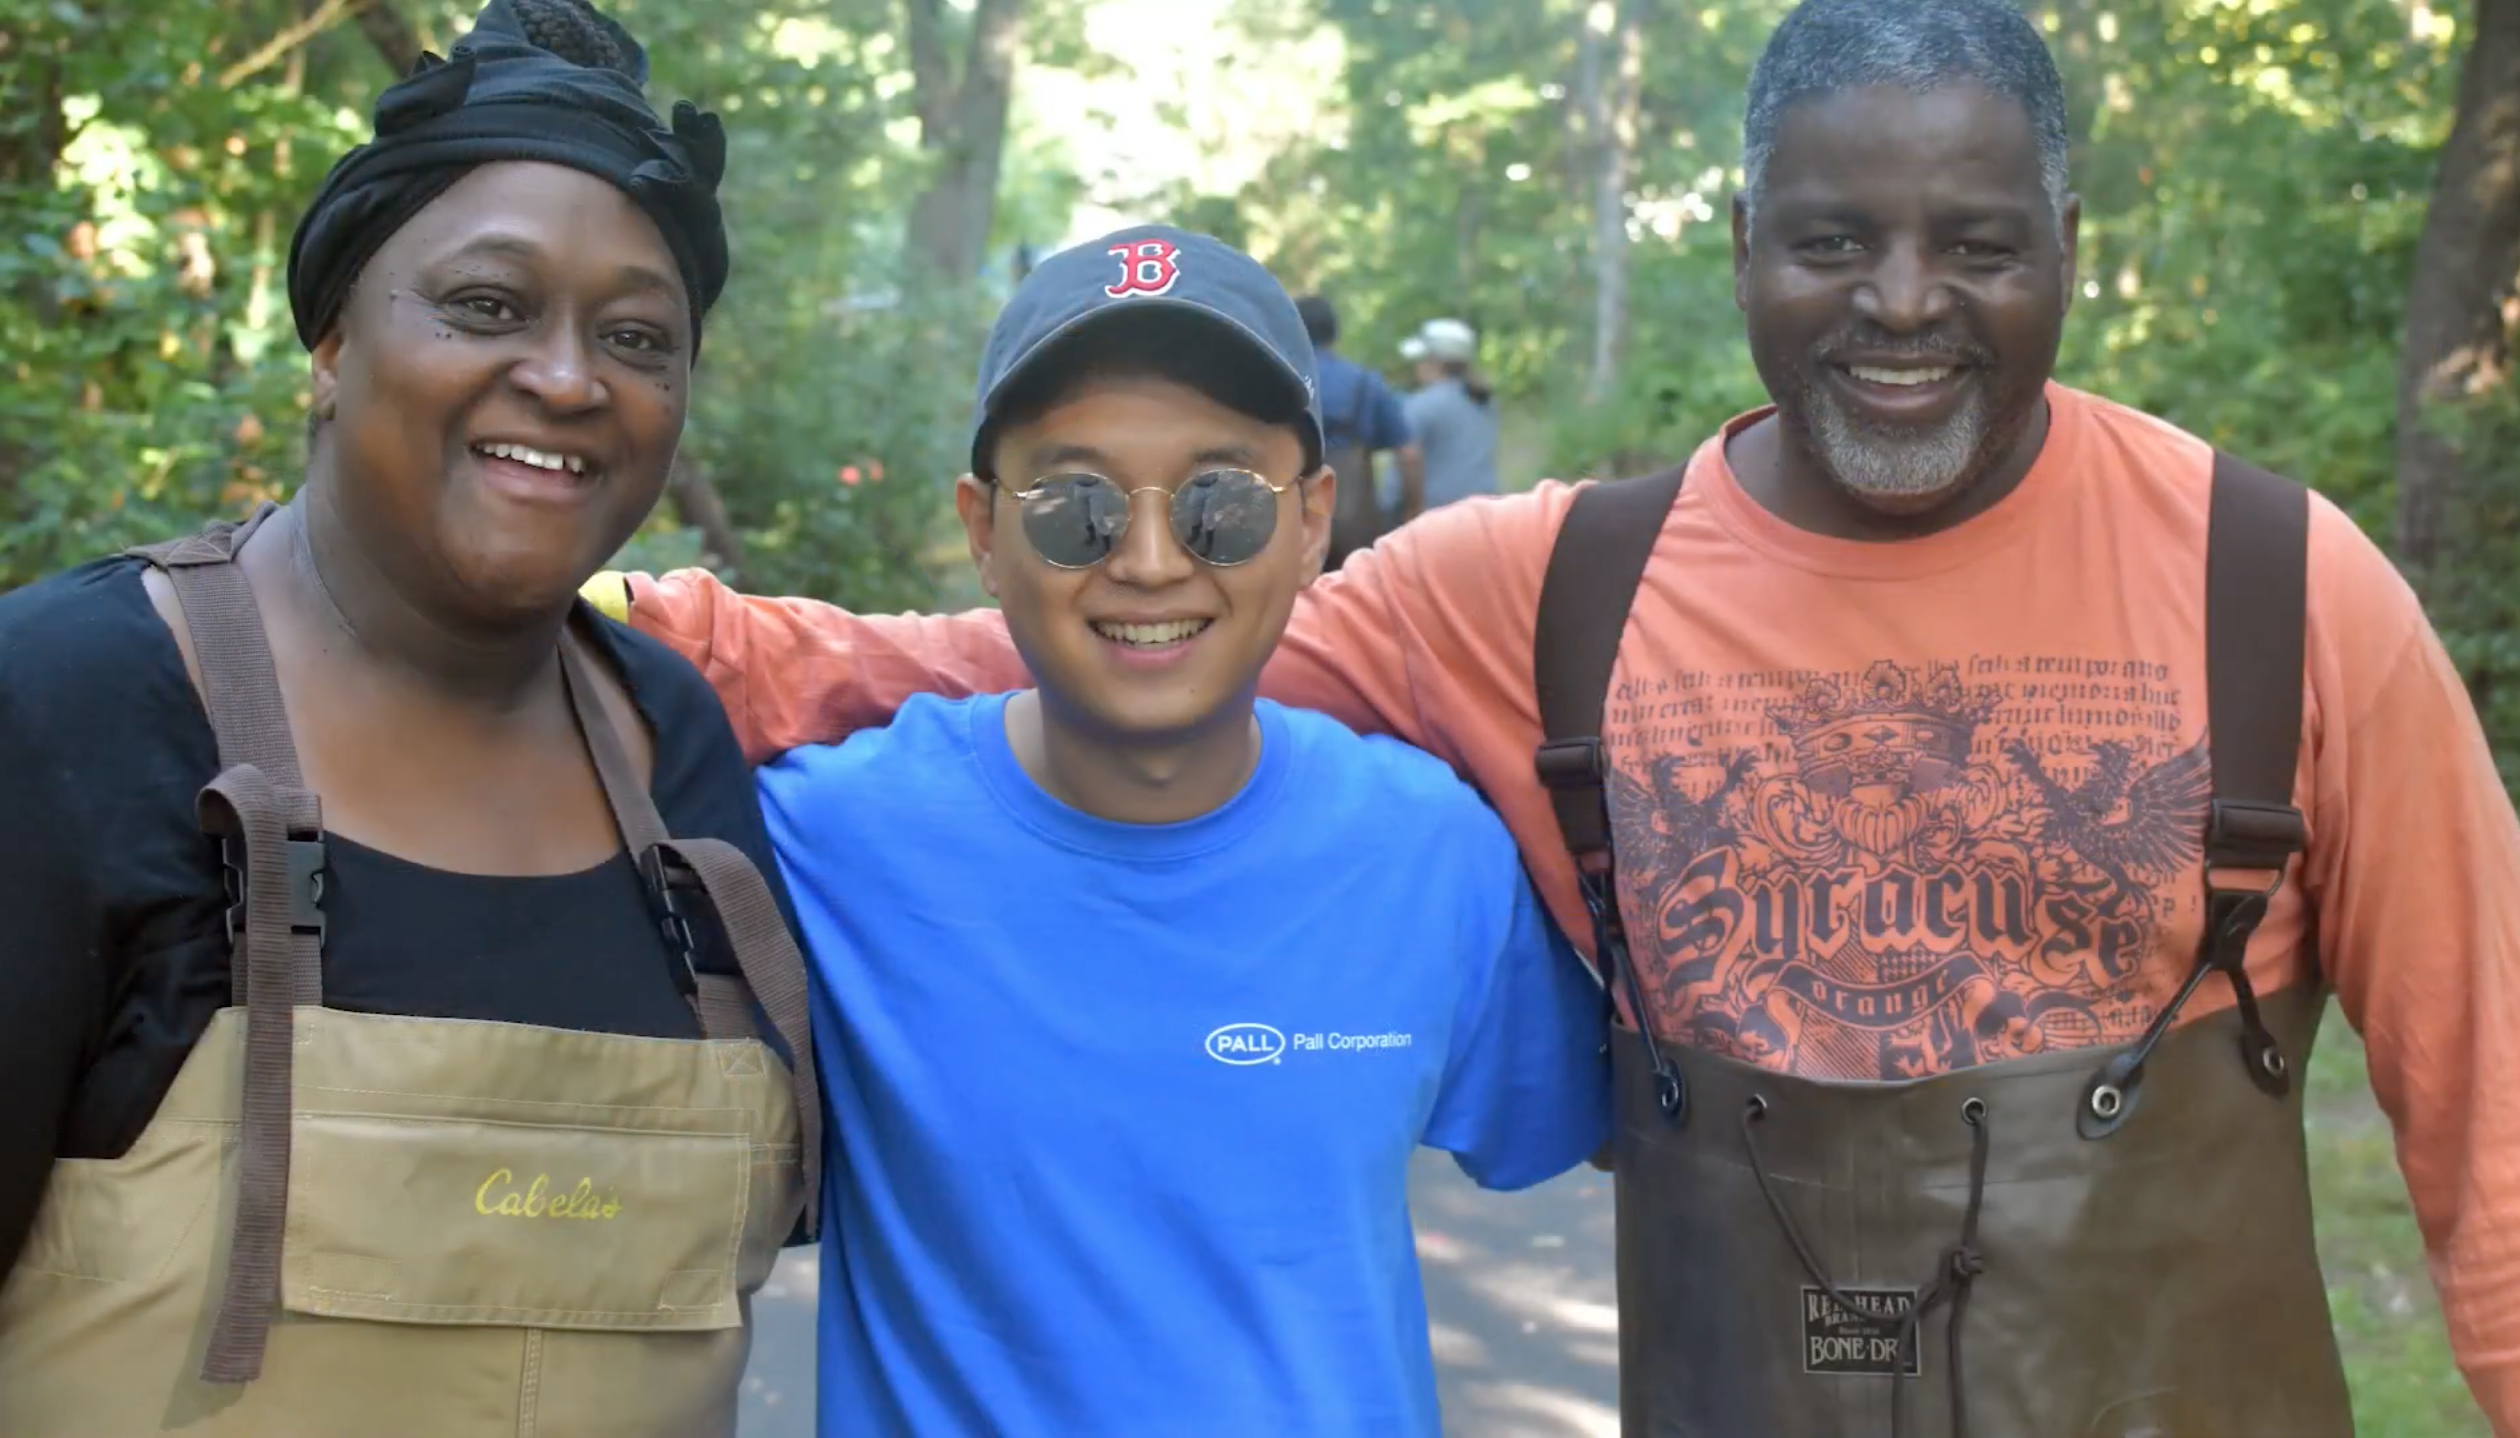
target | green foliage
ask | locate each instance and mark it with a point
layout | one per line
(151, 376)
(140, 286)
(2474, 595)
(2253, 180)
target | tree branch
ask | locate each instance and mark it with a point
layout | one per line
(697, 500)
(2458, 344)
(389, 30)
(287, 41)
(932, 88)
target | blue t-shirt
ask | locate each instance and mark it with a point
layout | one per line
(1124, 1112)
(1357, 407)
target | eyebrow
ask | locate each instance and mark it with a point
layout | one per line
(1238, 455)
(519, 248)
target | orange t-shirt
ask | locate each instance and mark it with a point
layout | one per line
(1968, 766)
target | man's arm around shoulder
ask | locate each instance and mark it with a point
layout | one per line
(799, 671)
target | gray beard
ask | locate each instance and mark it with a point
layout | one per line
(1901, 464)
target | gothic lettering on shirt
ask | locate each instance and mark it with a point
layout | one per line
(1910, 869)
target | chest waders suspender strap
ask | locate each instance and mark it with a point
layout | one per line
(271, 843)
(2257, 561)
(270, 831)
(1593, 573)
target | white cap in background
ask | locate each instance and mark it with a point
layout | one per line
(1444, 341)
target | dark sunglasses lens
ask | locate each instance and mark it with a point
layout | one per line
(1073, 520)
(1225, 516)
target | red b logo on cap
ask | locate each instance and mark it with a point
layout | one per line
(1147, 267)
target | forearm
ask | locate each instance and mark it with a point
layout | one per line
(1412, 483)
(2415, 869)
(799, 671)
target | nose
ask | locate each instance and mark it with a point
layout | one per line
(1904, 293)
(1148, 556)
(559, 371)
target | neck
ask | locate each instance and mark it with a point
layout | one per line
(1776, 466)
(316, 562)
(1130, 780)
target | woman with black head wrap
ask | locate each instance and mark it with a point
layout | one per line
(375, 1063)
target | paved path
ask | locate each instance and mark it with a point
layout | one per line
(1519, 1287)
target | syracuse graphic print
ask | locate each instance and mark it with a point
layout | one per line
(1907, 869)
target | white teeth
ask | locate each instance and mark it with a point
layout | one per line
(1150, 635)
(1870, 375)
(523, 454)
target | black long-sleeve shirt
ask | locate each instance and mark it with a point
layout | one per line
(113, 951)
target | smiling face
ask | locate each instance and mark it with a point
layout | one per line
(508, 383)
(1905, 283)
(1150, 645)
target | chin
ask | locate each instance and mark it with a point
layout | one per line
(513, 584)
(1153, 719)
(1906, 504)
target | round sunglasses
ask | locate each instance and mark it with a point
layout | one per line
(1224, 517)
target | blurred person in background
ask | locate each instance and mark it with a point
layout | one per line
(1452, 412)
(1361, 417)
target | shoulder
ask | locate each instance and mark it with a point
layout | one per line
(2136, 462)
(79, 634)
(925, 735)
(90, 669)
(677, 702)
(2361, 614)
(1405, 794)
(1484, 529)
(700, 782)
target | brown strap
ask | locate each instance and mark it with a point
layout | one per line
(773, 967)
(240, 688)
(1597, 562)
(281, 963)
(1593, 573)
(2257, 559)
(270, 831)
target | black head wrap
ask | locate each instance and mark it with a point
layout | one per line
(547, 80)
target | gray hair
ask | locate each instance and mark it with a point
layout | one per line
(1828, 46)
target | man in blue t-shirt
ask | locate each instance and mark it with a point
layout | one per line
(1127, 1050)
(1360, 418)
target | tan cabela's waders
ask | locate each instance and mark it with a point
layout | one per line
(344, 1225)
(2015, 1250)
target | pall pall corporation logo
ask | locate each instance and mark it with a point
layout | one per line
(1245, 1044)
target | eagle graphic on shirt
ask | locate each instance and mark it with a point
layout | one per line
(1889, 882)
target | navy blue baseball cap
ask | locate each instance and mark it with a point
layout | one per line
(1130, 272)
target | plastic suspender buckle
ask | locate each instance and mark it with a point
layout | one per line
(2231, 916)
(1565, 764)
(665, 883)
(305, 859)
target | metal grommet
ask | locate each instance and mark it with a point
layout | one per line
(2271, 1059)
(1973, 1112)
(2108, 1101)
(1758, 1107)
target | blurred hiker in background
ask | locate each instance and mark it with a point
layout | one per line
(1361, 417)
(1452, 413)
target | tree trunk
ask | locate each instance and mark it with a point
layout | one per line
(1609, 81)
(30, 149)
(697, 501)
(962, 131)
(2460, 308)
(391, 32)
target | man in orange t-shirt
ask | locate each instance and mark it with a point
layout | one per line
(1909, 787)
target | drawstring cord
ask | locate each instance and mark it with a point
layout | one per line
(1958, 1269)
